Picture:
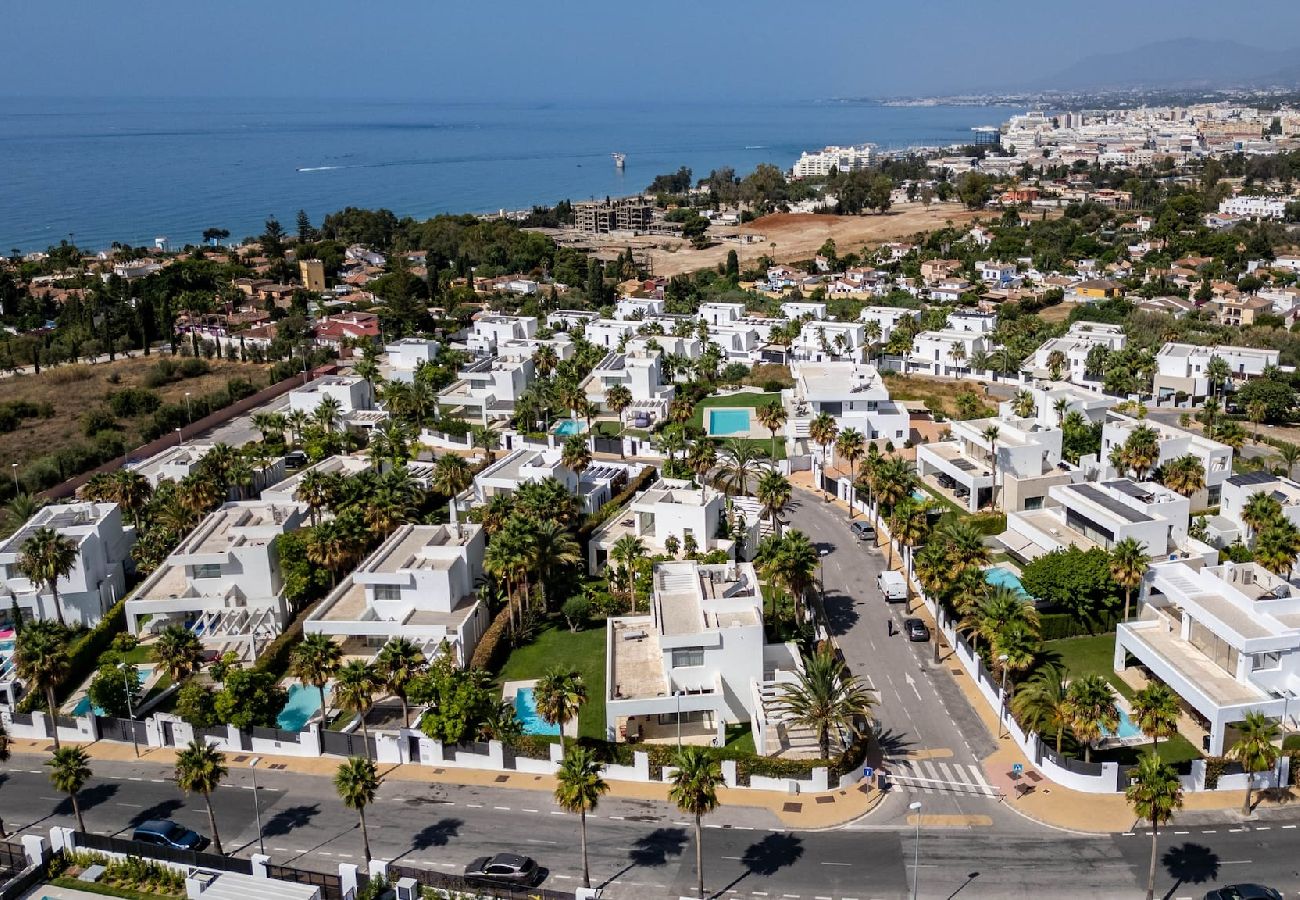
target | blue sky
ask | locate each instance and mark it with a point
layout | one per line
(579, 49)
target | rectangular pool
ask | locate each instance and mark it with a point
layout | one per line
(1000, 577)
(728, 421)
(526, 713)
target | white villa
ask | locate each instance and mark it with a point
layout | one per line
(1229, 525)
(1173, 443)
(887, 318)
(223, 582)
(1028, 463)
(97, 579)
(488, 388)
(490, 333)
(353, 394)
(826, 341)
(596, 486)
(283, 491)
(609, 333)
(641, 372)
(667, 508)
(1225, 638)
(1181, 368)
(853, 393)
(406, 355)
(697, 661)
(419, 584)
(1073, 348)
(946, 352)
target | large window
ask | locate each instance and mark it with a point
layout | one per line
(688, 716)
(1264, 662)
(207, 570)
(1223, 654)
(685, 657)
(1089, 529)
(387, 593)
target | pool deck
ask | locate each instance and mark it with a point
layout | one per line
(510, 688)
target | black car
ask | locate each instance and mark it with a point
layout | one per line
(166, 833)
(916, 630)
(504, 867)
(1243, 892)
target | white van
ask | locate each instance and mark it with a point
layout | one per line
(893, 587)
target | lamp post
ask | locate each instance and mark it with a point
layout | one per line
(915, 807)
(257, 806)
(179, 440)
(1002, 697)
(126, 685)
(189, 408)
(678, 695)
(13, 467)
(821, 574)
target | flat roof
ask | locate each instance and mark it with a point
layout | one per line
(1108, 503)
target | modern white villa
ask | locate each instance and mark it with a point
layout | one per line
(223, 582)
(696, 661)
(821, 341)
(668, 508)
(1237, 492)
(1181, 369)
(419, 584)
(490, 333)
(641, 372)
(1028, 456)
(98, 577)
(1225, 638)
(487, 389)
(946, 352)
(285, 490)
(852, 393)
(406, 355)
(353, 394)
(1065, 357)
(596, 486)
(1174, 442)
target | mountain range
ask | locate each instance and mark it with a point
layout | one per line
(1180, 63)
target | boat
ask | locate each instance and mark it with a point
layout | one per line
(620, 159)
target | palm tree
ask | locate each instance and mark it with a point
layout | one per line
(553, 550)
(773, 492)
(626, 551)
(487, 438)
(823, 431)
(1254, 749)
(741, 461)
(791, 561)
(1040, 703)
(297, 421)
(41, 658)
(179, 651)
(314, 489)
(1260, 511)
(559, 694)
(399, 662)
(1061, 406)
(1023, 404)
(1090, 706)
(702, 458)
(827, 698)
(849, 446)
(1155, 709)
(1128, 564)
(131, 491)
(1186, 475)
(327, 413)
(772, 416)
(357, 782)
(696, 781)
(354, 689)
(1154, 794)
(200, 768)
(618, 398)
(1142, 450)
(1277, 547)
(451, 475)
(332, 545)
(1217, 372)
(893, 480)
(576, 455)
(545, 360)
(907, 523)
(1290, 454)
(578, 788)
(314, 661)
(69, 772)
(44, 558)
(1256, 411)
(990, 434)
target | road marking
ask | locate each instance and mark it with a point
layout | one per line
(1285, 827)
(731, 857)
(1236, 862)
(133, 778)
(1263, 827)
(1182, 832)
(530, 810)
(132, 805)
(539, 841)
(474, 805)
(502, 808)
(1235, 830)
(1210, 831)
(556, 812)
(564, 877)
(616, 818)
(836, 864)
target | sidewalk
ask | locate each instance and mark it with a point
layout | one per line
(803, 812)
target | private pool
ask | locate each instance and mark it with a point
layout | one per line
(84, 706)
(526, 712)
(1127, 729)
(728, 421)
(303, 703)
(568, 427)
(1000, 577)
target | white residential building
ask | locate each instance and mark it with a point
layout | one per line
(1028, 463)
(596, 486)
(489, 333)
(285, 490)
(1225, 638)
(1229, 524)
(1254, 207)
(667, 508)
(1173, 442)
(1053, 401)
(740, 341)
(799, 309)
(420, 585)
(175, 463)
(999, 274)
(887, 318)
(852, 393)
(721, 313)
(946, 352)
(355, 398)
(696, 662)
(97, 578)
(641, 373)
(487, 389)
(1181, 368)
(972, 320)
(1073, 348)
(223, 582)
(638, 307)
(609, 333)
(826, 341)
(406, 355)
(818, 164)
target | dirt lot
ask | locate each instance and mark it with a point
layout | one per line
(796, 236)
(75, 389)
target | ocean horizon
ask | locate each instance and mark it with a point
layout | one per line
(116, 170)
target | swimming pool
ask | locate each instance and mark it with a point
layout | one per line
(526, 712)
(729, 421)
(921, 496)
(84, 706)
(303, 703)
(568, 427)
(1127, 728)
(1000, 577)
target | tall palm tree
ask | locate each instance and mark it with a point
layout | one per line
(741, 461)
(626, 551)
(1023, 404)
(1155, 710)
(1040, 704)
(1290, 454)
(772, 416)
(823, 431)
(1186, 475)
(554, 550)
(297, 421)
(44, 558)
(773, 492)
(695, 782)
(576, 455)
(41, 658)
(399, 662)
(893, 480)
(179, 651)
(908, 524)
(327, 413)
(451, 475)
(850, 447)
(1217, 372)
(1260, 511)
(200, 768)
(1142, 450)
(332, 545)
(1090, 705)
(1277, 547)
(314, 489)
(357, 782)
(315, 660)
(131, 491)
(990, 434)
(69, 772)
(487, 438)
(827, 698)
(1254, 749)
(1154, 794)
(791, 561)
(1128, 564)
(578, 788)
(354, 689)
(559, 694)
(618, 398)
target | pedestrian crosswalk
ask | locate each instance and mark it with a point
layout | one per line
(931, 776)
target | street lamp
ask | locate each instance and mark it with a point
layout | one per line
(13, 467)
(257, 807)
(1002, 698)
(189, 408)
(179, 440)
(915, 807)
(678, 695)
(126, 685)
(821, 574)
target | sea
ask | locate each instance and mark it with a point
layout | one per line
(130, 170)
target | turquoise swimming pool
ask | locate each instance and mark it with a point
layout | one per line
(1126, 729)
(1000, 577)
(84, 706)
(728, 421)
(568, 427)
(526, 712)
(303, 703)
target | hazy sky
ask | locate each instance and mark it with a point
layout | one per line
(579, 49)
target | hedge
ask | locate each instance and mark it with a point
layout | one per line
(747, 764)
(615, 505)
(492, 647)
(274, 658)
(83, 657)
(1215, 767)
(1055, 626)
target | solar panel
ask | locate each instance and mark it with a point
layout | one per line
(1136, 491)
(1110, 504)
(1248, 478)
(964, 464)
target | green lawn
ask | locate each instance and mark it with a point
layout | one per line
(740, 738)
(585, 651)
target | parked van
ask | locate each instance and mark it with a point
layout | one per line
(893, 587)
